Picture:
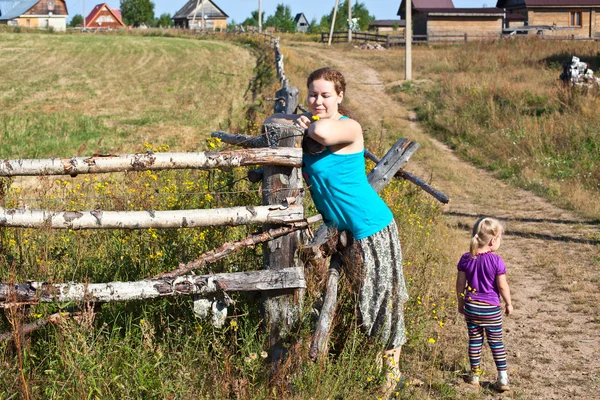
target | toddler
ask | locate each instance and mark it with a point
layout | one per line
(480, 281)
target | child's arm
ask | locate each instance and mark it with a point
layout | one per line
(505, 293)
(461, 283)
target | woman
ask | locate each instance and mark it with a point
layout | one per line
(341, 192)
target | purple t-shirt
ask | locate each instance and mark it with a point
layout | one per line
(481, 273)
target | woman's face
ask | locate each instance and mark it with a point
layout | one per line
(323, 100)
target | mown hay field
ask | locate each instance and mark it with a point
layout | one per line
(65, 95)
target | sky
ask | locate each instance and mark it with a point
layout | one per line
(239, 10)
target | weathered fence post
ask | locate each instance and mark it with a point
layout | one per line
(280, 184)
(282, 308)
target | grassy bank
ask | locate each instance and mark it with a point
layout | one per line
(501, 106)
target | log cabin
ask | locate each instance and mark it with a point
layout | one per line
(580, 18)
(438, 19)
(104, 17)
(41, 14)
(388, 26)
(191, 14)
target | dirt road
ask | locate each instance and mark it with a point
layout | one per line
(553, 256)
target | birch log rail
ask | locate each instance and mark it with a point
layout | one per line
(198, 285)
(98, 219)
(102, 163)
(248, 141)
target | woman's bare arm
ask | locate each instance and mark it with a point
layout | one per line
(329, 132)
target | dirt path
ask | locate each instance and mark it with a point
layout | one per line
(553, 340)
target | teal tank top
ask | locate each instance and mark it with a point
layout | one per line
(342, 194)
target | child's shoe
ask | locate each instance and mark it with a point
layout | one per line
(474, 380)
(502, 383)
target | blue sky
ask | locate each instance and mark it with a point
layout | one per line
(239, 10)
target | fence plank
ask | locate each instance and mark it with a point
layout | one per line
(97, 219)
(393, 160)
(198, 285)
(102, 163)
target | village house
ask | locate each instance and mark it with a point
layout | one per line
(191, 15)
(104, 17)
(301, 23)
(42, 14)
(580, 18)
(438, 19)
(388, 25)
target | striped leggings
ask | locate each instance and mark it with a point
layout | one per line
(483, 316)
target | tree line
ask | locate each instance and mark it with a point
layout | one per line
(141, 12)
(283, 19)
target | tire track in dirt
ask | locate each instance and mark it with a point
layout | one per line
(552, 340)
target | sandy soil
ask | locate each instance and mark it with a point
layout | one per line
(553, 339)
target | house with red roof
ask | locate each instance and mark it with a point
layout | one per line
(104, 17)
(440, 20)
(579, 18)
(42, 14)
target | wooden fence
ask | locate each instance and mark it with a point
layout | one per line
(278, 151)
(396, 39)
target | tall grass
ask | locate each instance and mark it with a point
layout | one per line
(119, 93)
(502, 106)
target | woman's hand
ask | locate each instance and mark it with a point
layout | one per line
(303, 122)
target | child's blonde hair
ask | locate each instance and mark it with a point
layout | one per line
(484, 230)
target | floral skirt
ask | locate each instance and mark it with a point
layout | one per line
(382, 290)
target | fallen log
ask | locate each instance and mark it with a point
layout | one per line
(197, 285)
(98, 219)
(441, 197)
(102, 163)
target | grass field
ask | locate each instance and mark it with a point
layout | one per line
(65, 95)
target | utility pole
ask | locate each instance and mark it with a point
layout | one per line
(84, 16)
(408, 40)
(259, 17)
(349, 21)
(203, 20)
(333, 21)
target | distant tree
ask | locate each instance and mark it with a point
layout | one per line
(232, 24)
(313, 27)
(137, 12)
(164, 21)
(282, 19)
(76, 21)
(253, 19)
(359, 10)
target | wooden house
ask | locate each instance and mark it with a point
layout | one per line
(191, 15)
(438, 19)
(388, 25)
(42, 14)
(104, 17)
(580, 18)
(301, 23)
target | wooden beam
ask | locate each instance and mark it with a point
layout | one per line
(98, 219)
(230, 247)
(393, 160)
(197, 285)
(319, 343)
(102, 163)
(414, 179)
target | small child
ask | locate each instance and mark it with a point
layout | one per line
(480, 281)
